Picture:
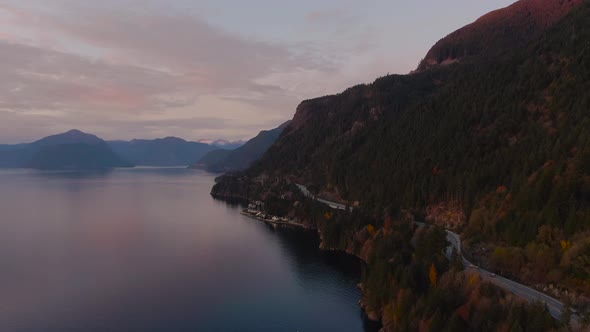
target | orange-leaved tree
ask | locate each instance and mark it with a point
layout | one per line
(433, 275)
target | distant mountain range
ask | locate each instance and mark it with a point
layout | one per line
(78, 150)
(169, 151)
(223, 160)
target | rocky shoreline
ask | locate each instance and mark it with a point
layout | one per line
(227, 194)
(373, 316)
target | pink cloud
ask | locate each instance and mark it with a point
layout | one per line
(85, 59)
(114, 96)
(6, 36)
(36, 78)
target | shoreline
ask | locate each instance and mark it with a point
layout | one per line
(277, 223)
(371, 316)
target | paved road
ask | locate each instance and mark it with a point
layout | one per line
(553, 305)
(333, 205)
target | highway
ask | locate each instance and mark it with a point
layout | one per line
(554, 306)
(333, 205)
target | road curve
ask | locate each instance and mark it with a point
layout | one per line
(554, 306)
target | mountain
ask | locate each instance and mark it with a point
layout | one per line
(499, 31)
(75, 156)
(15, 156)
(73, 136)
(11, 147)
(495, 147)
(231, 160)
(212, 158)
(71, 150)
(453, 132)
(169, 151)
(75, 149)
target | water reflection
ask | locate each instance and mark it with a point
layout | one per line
(72, 174)
(149, 250)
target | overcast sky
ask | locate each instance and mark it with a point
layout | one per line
(196, 69)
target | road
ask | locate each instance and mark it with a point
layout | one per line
(333, 205)
(554, 306)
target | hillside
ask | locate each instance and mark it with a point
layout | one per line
(232, 160)
(169, 151)
(451, 133)
(499, 31)
(212, 158)
(496, 147)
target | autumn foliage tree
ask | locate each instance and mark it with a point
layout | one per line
(433, 274)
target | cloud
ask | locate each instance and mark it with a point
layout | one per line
(182, 43)
(140, 63)
(325, 15)
(37, 78)
(129, 68)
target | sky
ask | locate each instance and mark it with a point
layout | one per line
(200, 69)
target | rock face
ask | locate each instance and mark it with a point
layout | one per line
(500, 30)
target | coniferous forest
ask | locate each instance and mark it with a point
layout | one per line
(495, 147)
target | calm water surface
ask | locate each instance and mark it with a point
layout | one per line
(150, 250)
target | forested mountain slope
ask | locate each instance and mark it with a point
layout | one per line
(494, 144)
(498, 147)
(499, 31)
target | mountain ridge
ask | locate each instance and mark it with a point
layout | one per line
(512, 26)
(73, 136)
(167, 151)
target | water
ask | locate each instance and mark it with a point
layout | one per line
(150, 250)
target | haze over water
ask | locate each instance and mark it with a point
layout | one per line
(150, 250)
